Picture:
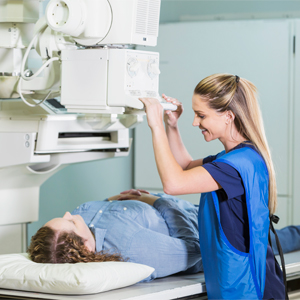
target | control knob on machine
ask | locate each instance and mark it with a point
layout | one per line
(133, 66)
(153, 69)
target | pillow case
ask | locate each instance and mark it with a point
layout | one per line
(18, 272)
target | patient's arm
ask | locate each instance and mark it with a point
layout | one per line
(168, 254)
(116, 197)
(137, 192)
(131, 192)
(140, 195)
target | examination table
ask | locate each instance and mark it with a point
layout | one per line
(172, 287)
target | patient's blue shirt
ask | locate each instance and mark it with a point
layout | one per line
(150, 235)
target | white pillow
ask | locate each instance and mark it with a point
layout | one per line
(18, 272)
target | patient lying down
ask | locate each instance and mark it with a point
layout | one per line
(157, 230)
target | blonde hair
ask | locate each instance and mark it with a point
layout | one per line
(51, 246)
(226, 92)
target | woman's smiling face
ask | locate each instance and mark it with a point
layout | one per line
(212, 123)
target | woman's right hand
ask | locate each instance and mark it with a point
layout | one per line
(171, 117)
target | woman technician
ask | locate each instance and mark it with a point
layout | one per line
(238, 185)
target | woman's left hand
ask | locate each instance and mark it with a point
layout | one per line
(154, 111)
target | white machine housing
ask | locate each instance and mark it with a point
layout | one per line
(107, 80)
(17, 20)
(102, 22)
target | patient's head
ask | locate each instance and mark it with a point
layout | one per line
(66, 240)
(76, 224)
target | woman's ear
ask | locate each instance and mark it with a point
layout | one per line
(229, 116)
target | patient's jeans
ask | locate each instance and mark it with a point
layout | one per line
(289, 238)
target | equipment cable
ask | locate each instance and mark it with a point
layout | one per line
(23, 77)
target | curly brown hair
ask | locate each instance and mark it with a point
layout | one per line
(51, 246)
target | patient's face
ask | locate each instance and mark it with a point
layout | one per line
(76, 224)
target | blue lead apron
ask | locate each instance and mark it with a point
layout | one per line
(230, 273)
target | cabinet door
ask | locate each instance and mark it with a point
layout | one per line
(258, 50)
(283, 204)
(296, 131)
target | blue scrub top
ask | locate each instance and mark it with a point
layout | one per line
(234, 218)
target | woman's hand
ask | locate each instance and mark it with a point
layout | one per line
(171, 117)
(154, 112)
